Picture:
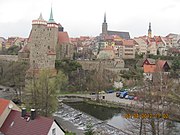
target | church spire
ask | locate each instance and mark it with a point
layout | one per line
(40, 17)
(105, 17)
(51, 19)
(104, 26)
(149, 31)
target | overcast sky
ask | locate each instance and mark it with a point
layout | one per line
(85, 17)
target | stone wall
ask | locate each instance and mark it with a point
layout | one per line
(95, 65)
(9, 57)
(43, 40)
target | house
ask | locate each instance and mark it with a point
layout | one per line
(5, 108)
(162, 66)
(127, 50)
(106, 53)
(17, 122)
(141, 47)
(151, 68)
(149, 61)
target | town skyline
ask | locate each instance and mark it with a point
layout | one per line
(85, 18)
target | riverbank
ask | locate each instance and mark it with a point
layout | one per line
(132, 106)
(76, 121)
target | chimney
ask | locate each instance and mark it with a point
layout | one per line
(23, 113)
(33, 114)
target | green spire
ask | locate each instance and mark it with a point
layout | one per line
(51, 20)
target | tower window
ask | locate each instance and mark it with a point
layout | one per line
(48, 47)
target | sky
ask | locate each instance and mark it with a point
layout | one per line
(85, 17)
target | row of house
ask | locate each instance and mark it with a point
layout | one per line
(118, 44)
(12, 41)
(16, 121)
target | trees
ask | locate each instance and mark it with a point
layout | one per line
(13, 74)
(42, 91)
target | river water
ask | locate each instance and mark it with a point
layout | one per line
(115, 117)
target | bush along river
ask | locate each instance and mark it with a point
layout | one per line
(116, 118)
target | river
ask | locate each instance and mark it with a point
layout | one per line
(114, 117)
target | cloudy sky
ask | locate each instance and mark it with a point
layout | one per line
(85, 17)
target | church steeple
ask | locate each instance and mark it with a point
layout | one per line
(40, 17)
(51, 19)
(105, 17)
(149, 31)
(104, 26)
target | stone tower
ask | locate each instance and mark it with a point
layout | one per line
(149, 31)
(104, 26)
(42, 42)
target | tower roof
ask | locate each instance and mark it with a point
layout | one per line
(40, 17)
(51, 19)
(149, 27)
(105, 17)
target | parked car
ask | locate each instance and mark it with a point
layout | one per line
(93, 93)
(118, 94)
(102, 92)
(126, 97)
(135, 98)
(131, 97)
(123, 94)
(110, 91)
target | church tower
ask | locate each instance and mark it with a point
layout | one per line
(104, 26)
(149, 31)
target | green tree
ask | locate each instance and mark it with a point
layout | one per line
(42, 91)
(176, 64)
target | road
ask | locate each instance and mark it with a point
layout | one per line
(110, 97)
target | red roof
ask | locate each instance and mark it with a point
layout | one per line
(63, 37)
(128, 42)
(108, 48)
(160, 64)
(149, 68)
(3, 104)
(15, 124)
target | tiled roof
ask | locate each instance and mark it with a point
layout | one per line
(15, 124)
(160, 64)
(151, 61)
(128, 42)
(149, 68)
(3, 104)
(63, 37)
(124, 35)
(108, 48)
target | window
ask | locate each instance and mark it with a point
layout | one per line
(54, 131)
